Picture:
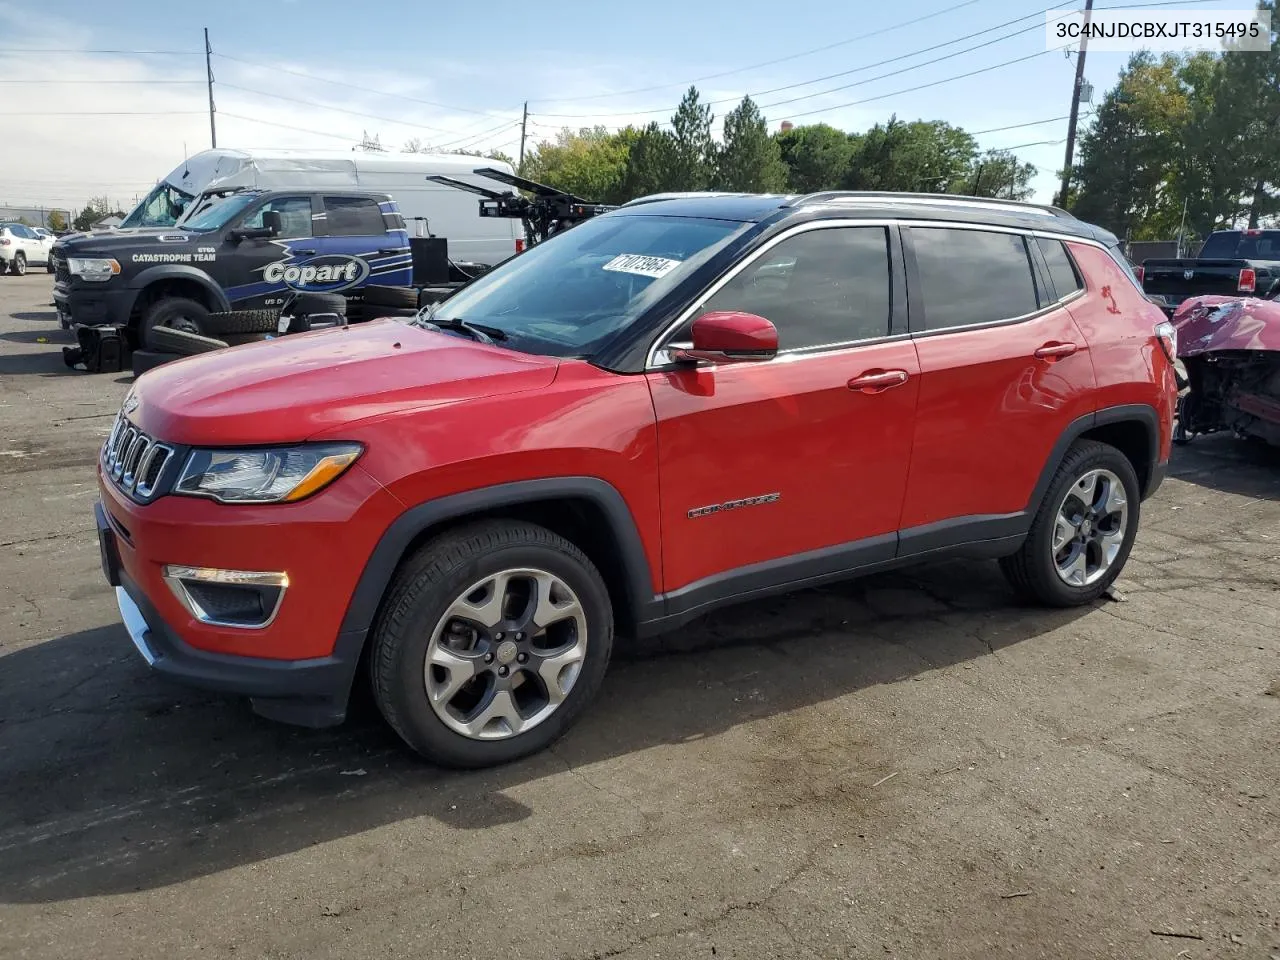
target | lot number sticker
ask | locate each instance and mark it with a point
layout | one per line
(641, 265)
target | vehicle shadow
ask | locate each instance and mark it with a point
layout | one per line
(112, 780)
(1220, 462)
(44, 315)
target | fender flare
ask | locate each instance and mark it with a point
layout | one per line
(390, 550)
(178, 271)
(1141, 412)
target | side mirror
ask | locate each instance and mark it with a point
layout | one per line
(271, 227)
(731, 337)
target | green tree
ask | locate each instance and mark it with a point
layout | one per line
(1125, 177)
(56, 221)
(998, 173)
(923, 155)
(651, 155)
(817, 157)
(749, 160)
(590, 163)
(692, 161)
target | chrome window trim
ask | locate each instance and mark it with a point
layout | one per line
(658, 359)
(661, 346)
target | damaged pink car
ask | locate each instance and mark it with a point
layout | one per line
(1230, 348)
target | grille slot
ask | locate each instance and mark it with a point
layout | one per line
(134, 461)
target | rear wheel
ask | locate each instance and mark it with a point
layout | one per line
(19, 267)
(1083, 531)
(490, 643)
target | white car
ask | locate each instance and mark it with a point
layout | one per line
(20, 247)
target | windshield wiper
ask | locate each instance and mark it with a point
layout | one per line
(477, 331)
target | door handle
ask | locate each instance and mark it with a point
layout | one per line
(1055, 351)
(877, 381)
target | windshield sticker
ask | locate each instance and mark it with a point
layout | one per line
(642, 265)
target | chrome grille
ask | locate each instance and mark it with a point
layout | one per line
(61, 271)
(134, 461)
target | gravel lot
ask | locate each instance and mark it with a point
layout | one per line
(906, 766)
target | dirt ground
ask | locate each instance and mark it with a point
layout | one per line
(908, 766)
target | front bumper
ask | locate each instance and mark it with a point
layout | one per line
(93, 304)
(299, 666)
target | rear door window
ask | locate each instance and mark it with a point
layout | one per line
(353, 217)
(969, 277)
(295, 216)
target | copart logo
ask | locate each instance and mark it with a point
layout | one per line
(319, 274)
(733, 505)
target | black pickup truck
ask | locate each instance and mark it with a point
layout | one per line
(1231, 263)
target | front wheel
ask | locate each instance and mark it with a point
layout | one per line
(490, 642)
(1083, 531)
(19, 264)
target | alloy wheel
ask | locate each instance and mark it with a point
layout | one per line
(506, 654)
(1089, 528)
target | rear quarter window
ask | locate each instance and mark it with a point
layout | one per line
(1062, 269)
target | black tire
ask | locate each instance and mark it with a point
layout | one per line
(172, 313)
(1031, 571)
(236, 339)
(426, 584)
(169, 340)
(48, 265)
(402, 297)
(19, 265)
(304, 304)
(144, 360)
(241, 322)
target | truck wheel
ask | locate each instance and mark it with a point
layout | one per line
(19, 266)
(48, 265)
(174, 340)
(240, 322)
(489, 643)
(1083, 531)
(177, 313)
(305, 304)
(404, 297)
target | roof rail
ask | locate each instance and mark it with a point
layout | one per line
(947, 199)
(693, 195)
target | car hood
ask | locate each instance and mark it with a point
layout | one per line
(291, 388)
(1210, 324)
(108, 240)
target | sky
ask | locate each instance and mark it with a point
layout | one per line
(107, 98)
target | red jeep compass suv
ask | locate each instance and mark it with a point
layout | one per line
(683, 403)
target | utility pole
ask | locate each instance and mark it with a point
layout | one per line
(208, 69)
(1075, 107)
(524, 122)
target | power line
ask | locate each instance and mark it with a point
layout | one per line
(1018, 126)
(325, 106)
(107, 113)
(97, 82)
(352, 86)
(906, 56)
(131, 53)
(770, 63)
(471, 140)
(285, 126)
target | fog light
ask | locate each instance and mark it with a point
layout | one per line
(228, 598)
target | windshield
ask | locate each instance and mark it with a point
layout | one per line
(219, 213)
(160, 208)
(1242, 245)
(567, 294)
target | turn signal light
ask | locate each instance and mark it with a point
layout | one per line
(1248, 280)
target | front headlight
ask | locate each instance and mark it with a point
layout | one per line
(280, 475)
(103, 268)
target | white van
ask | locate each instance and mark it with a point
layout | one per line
(429, 209)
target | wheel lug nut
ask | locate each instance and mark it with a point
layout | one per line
(502, 671)
(497, 636)
(519, 636)
(523, 658)
(488, 658)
